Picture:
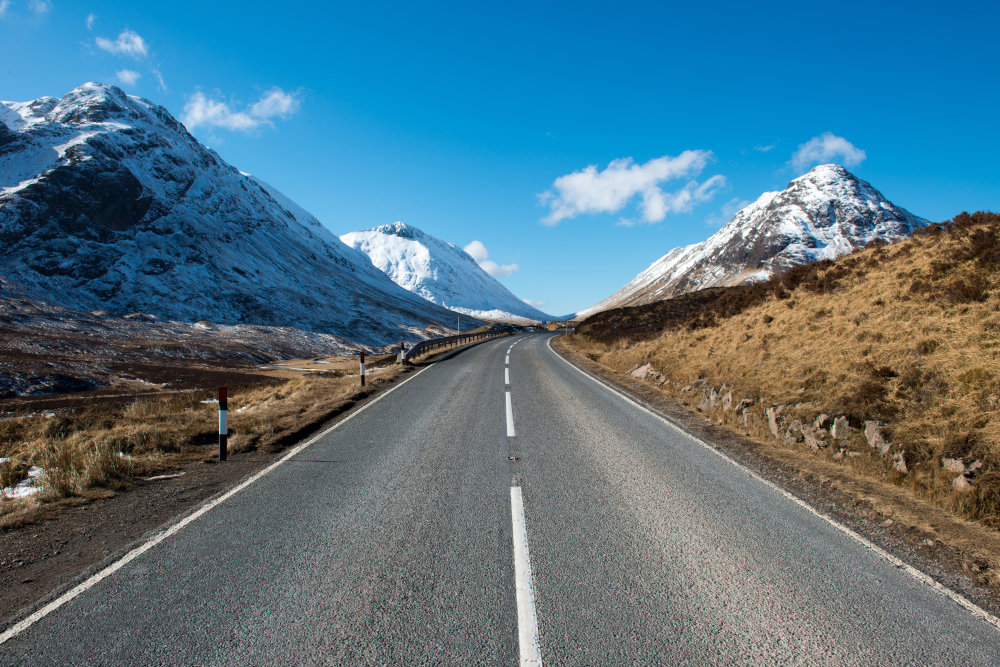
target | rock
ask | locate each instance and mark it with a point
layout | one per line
(853, 453)
(821, 421)
(953, 465)
(974, 467)
(899, 462)
(727, 401)
(813, 438)
(961, 484)
(705, 404)
(686, 389)
(772, 418)
(793, 433)
(745, 405)
(840, 429)
(840, 454)
(873, 433)
(646, 371)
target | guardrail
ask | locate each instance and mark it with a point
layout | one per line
(448, 341)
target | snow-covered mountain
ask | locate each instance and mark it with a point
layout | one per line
(826, 213)
(107, 202)
(440, 272)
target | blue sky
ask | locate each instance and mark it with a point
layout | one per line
(458, 118)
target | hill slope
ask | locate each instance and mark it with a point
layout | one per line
(107, 202)
(439, 272)
(823, 214)
(901, 340)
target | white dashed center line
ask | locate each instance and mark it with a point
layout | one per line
(527, 622)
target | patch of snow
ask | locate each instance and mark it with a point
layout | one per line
(28, 486)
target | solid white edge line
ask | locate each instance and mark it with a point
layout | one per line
(958, 598)
(527, 620)
(510, 416)
(23, 625)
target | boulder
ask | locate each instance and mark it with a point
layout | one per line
(953, 465)
(793, 433)
(840, 429)
(705, 404)
(961, 484)
(974, 467)
(645, 372)
(873, 434)
(821, 421)
(813, 438)
(727, 401)
(899, 462)
(772, 418)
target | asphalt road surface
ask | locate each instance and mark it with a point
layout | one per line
(502, 507)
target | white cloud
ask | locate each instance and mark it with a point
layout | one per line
(159, 79)
(4, 6)
(201, 110)
(91, 20)
(726, 213)
(478, 252)
(40, 7)
(608, 191)
(536, 304)
(764, 149)
(827, 147)
(275, 102)
(129, 43)
(127, 76)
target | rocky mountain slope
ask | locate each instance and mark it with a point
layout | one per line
(824, 214)
(107, 202)
(440, 272)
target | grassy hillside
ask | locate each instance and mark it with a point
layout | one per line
(903, 339)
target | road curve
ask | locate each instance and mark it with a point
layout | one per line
(395, 539)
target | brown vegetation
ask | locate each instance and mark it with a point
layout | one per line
(102, 447)
(907, 335)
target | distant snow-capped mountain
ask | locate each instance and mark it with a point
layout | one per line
(107, 202)
(440, 272)
(826, 213)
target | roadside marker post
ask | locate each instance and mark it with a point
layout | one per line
(362, 368)
(223, 424)
(402, 351)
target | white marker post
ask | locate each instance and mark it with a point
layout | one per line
(362, 368)
(402, 350)
(223, 424)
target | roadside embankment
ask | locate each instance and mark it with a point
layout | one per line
(882, 365)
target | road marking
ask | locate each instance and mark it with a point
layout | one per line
(506, 360)
(527, 621)
(961, 600)
(510, 417)
(23, 625)
(506, 376)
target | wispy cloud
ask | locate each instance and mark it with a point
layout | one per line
(536, 304)
(160, 83)
(4, 6)
(129, 43)
(765, 148)
(478, 252)
(827, 147)
(610, 190)
(127, 76)
(40, 7)
(275, 103)
(726, 213)
(91, 21)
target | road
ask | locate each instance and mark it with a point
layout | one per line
(446, 523)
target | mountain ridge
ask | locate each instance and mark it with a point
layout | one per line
(823, 214)
(108, 202)
(440, 272)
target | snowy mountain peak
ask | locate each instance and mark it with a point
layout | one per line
(108, 203)
(439, 272)
(822, 214)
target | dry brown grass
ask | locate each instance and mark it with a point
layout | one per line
(907, 335)
(104, 448)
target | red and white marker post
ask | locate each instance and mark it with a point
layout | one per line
(362, 368)
(223, 424)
